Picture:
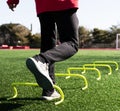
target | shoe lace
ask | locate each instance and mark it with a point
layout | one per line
(36, 57)
(46, 66)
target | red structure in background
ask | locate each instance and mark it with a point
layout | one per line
(14, 47)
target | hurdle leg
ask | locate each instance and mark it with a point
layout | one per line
(61, 93)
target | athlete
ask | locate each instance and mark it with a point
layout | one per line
(52, 13)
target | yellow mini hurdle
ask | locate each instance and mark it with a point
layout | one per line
(100, 65)
(75, 75)
(107, 62)
(84, 69)
(14, 85)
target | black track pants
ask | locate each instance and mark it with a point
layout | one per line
(67, 26)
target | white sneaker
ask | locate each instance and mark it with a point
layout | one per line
(54, 95)
(40, 71)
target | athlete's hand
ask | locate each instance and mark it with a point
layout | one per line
(12, 4)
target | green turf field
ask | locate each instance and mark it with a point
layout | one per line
(103, 95)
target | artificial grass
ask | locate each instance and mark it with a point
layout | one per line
(103, 95)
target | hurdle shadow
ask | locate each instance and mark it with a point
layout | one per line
(17, 103)
(9, 106)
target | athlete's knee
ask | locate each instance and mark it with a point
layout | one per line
(75, 45)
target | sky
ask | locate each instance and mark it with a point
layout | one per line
(101, 14)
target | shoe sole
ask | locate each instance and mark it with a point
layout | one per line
(41, 79)
(49, 98)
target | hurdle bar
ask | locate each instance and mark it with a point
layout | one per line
(84, 68)
(75, 75)
(35, 85)
(108, 62)
(100, 65)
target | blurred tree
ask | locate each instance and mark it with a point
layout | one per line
(18, 35)
(22, 33)
(34, 40)
(100, 36)
(114, 30)
(84, 37)
(7, 37)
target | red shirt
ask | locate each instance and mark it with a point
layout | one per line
(55, 5)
